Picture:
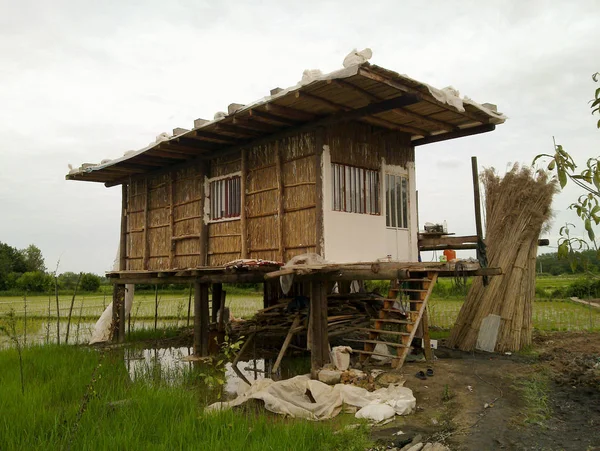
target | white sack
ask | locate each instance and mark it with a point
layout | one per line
(288, 397)
(376, 412)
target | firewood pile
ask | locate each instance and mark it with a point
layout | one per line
(345, 314)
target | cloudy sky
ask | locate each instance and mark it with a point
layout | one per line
(81, 81)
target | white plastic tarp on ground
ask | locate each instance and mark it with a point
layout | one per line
(289, 397)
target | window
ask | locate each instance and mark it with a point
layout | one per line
(396, 200)
(225, 198)
(355, 189)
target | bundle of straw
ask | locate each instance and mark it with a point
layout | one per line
(517, 208)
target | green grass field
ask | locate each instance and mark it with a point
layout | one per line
(548, 314)
(84, 399)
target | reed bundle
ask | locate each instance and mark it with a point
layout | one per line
(517, 208)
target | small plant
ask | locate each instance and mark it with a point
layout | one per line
(215, 377)
(447, 394)
(10, 330)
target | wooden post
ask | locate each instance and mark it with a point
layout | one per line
(319, 189)
(118, 314)
(319, 346)
(280, 210)
(243, 226)
(172, 243)
(146, 221)
(123, 237)
(217, 290)
(477, 198)
(270, 292)
(203, 235)
(201, 319)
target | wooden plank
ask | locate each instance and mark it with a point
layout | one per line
(319, 233)
(123, 235)
(376, 342)
(171, 220)
(452, 135)
(425, 240)
(286, 343)
(290, 113)
(200, 319)
(255, 125)
(319, 342)
(203, 235)
(217, 290)
(280, 199)
(118, 314)
(429, 99)
(243, 200)
(272, 118)
(146, 244)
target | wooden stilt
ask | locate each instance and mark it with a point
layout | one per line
(201, 319)
(217, 289)
(319, 341)
(118, 314)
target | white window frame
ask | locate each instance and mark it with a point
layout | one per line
(220, 198)
(397, 201)
(355, 189)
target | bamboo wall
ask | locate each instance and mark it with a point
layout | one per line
(165, 210)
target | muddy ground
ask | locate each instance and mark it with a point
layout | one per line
(545, 399)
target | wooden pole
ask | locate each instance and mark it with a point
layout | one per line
(280, 199)
(319, 341)
(217, 289)
(189, 306)
(118, 321)
(286, 343)
(172, 243)
(243, 223)
(203, 235)
(477, 198)
(146, 223)
(123, 236)
(155, 306)
(319, 132)
(201, 319)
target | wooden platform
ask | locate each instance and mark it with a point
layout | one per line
(325, 272)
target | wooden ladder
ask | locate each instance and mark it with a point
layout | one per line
(416, 295)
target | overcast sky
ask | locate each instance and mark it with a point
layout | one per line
(81, 81)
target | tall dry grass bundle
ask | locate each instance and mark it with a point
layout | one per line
(517, 208)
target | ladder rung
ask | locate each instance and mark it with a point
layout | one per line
(382, 331)
(393, 321)
(388, 343)
(360, 351)
(394, 310)
(425, 279)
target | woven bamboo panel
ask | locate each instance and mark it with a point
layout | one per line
(224, 242)
(225, 165)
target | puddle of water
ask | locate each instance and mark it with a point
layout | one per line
(40, 332)
(170, 365)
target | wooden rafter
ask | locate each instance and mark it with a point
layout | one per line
(291, 113)
(457, 134)
(381, 79)
(401, 112)
(272, 118)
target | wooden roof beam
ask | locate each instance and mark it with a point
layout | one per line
(430, 99)
(244, 132)
(457, 134)
(203, 135)
(291, 113)
(383, 106)
(272, 118)
(254, 125)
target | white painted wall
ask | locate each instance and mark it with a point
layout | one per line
(354, 237)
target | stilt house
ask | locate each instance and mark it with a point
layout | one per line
(326, 167)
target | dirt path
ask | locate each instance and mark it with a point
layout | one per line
(548, 400)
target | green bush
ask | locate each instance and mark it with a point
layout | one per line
(90, 282)
(34, 281)
(584, 288)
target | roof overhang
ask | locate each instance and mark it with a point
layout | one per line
(364, 92)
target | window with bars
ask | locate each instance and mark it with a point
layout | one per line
(396, 201)
(225, 198)
(355, 190)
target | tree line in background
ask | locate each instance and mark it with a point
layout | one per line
(25, 270)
